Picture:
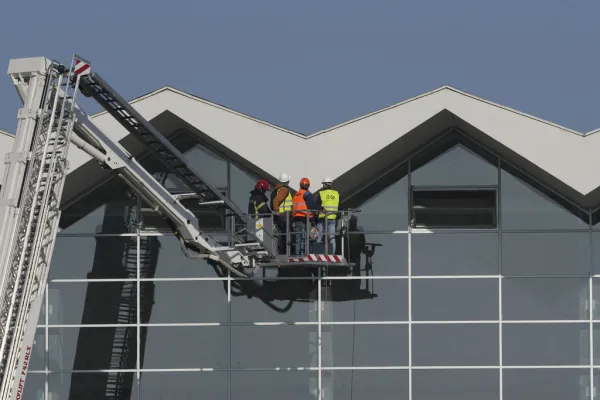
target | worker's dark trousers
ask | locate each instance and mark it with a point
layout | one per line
(282, 228)
(299, 238)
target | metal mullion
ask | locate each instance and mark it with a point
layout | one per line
(409, 273)
(229, 333)
(591, 305)
(500, 270)
(47, 345)
(138, 314)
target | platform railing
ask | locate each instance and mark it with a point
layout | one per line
(312, 236)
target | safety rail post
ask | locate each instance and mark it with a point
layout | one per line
(307, 237)
(342, 223)
(325, 233)
(287, 233)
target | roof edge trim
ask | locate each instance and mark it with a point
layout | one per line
(209, 103)
(512, 110)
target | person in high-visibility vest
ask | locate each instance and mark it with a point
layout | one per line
(258, 204)
(328, 201)
(302, 206)
(281, 204)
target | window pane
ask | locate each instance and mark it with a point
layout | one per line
(37, 357)
(290, 300)
(172, 263)
(94, 385)
(92, 348)
(364, 345)
(350, 300)
(455, 254)
(450, 208)
(185, 347)
(547, 384)
(456, 385)
(366, 385)
(545, 298)
(35, 386)
(596, 253)
(270, 346)
(274, 385)
(539, 254)
(387, 211)
(454, 345)
(182, 385)
(524, 207)
(188, 301)
(240, 186)
(454, 299)
(546, 344)
(102, 257)
(596, 344)
(384, 254)
(455, 167)
(96, 302)
(112, 208)
(209, 165)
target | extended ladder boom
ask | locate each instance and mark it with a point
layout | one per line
(94, 86)
(33, 184)
(36, 173)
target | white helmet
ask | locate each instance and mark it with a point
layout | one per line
(284, 178)
(327, 180)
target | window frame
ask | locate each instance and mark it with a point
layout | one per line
(422, 188)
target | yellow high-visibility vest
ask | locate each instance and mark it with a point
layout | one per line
(330, 201)
(257, 207)
(286, 205)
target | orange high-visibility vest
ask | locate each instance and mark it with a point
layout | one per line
(299, 206)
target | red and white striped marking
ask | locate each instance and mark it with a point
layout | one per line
(81, 67)
(319, 257)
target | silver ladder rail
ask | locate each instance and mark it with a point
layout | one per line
(25, 274)
(94, 86)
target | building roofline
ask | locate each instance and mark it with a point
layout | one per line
(207, 102)
(7, 133)
(333, 128)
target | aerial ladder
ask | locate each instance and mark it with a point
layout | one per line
(36, 169)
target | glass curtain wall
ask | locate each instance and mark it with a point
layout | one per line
(471, 281)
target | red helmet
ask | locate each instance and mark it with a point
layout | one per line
(262, 184)
(304, 181)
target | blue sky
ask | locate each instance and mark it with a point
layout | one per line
(308, 65)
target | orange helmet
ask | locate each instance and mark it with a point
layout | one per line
(304, 182)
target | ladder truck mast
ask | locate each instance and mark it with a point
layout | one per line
(36, 169)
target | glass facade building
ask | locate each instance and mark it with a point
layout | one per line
(477, 297)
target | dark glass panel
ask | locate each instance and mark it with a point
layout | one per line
(364, 345)
(95, 302)
(168, 347)
(524, 206)
(455, 254)
(186, 301)
(100, 257)
(274, 346)
(274, 385)
(545, 298)
(455, 344)
(365, 300)
(454, 299)
(543, 254)
(92, 385)
(546, 344)
(546, 384)
(183, 385)
(366, 384)
(456, 384)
